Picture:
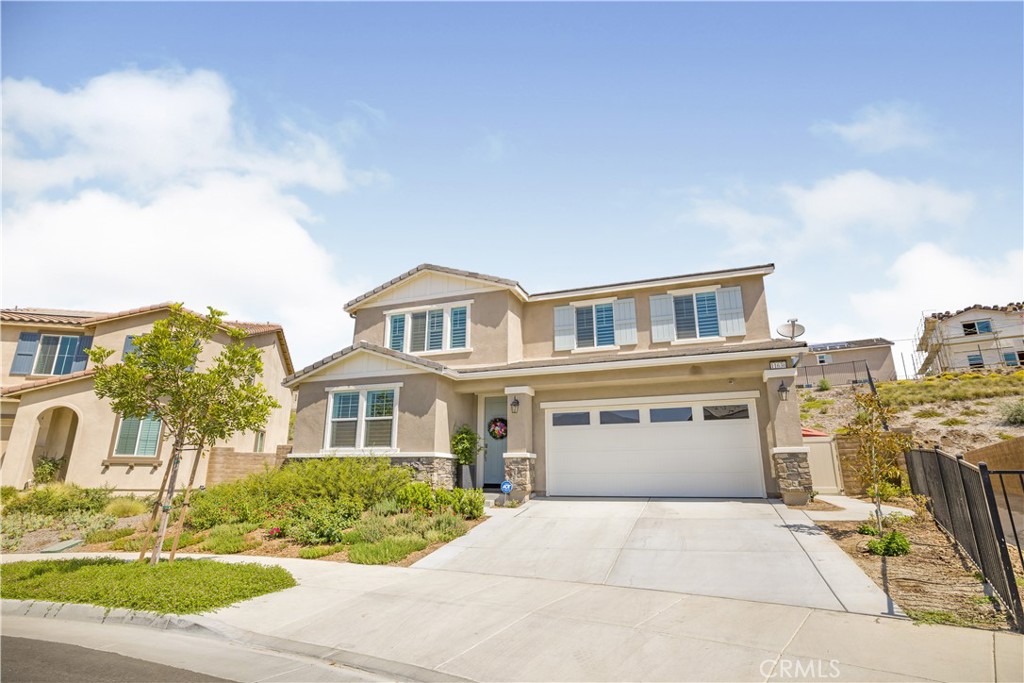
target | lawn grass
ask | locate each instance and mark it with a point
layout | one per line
(964, 386)
(181, 587)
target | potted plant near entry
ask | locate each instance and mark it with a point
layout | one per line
(465, 447)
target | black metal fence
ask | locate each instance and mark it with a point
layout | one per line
(836, 374)
(964, 503)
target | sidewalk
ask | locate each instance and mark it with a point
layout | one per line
(441, 624)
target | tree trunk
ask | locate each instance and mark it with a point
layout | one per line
(156, 511)
(165, 512)
(180, 524)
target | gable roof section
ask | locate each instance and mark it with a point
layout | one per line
(45, 316)
(1012, 307)
(366, 347)
(429, 267)
(844, 345)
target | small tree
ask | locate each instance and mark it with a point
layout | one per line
(198, 403)
(466, 445)
(878, 456)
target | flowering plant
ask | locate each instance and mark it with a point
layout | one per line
(498, 428)
(275, 532)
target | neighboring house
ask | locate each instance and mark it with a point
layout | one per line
(975, 337)
(50, 410)
(660, 387)
(847, 362)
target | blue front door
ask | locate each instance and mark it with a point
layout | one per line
(494, 449)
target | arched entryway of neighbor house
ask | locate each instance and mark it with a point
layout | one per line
(56, 429)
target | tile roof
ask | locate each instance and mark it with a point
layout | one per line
(1013, 307)
(91, 318)
(437, 269)
(37, 383)
(852, 344)
(365, 345)
(468, 373)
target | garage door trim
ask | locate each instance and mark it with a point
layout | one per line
(674, 398)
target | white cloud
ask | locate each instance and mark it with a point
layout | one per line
(748, 232)
(881, 128)
(862, 199)
(145, 187)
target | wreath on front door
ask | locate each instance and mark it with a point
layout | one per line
(498, 428)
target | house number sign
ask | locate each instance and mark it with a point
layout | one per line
(778, 364)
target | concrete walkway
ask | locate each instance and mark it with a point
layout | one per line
(487, 627)
(757, 550)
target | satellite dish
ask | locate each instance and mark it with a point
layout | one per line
(791, 329)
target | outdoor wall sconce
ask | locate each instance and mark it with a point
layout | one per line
(515, 404)
(783, 391)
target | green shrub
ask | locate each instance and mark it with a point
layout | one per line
(8, 494)
(888, 491)
(228, 539)
(45, 470)
(824, 385)
(107, 535)
(180, 587)
(416, 496)
(468, 502)
(928, 412)
(318, 551)
(388, 506)
(892, 544)
(126, 506)
(14, 525)
(386, 551)
(415, 524)
(320, 521)
(953, 422)
(895, 520)
(373, 528)
(57, 499)
(1013, 413)
(867, 529)
(466, 445)
(85, 522)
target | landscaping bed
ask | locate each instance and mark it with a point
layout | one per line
(181, 587)
(359, 510)
(934, 583)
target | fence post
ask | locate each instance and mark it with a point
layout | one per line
(1004, 554)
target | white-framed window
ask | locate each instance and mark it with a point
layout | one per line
(702, 314)
(977, 327)
(436, 329)
(596, 324)
(824, 358)
(362, 417)
(56, 355)
(261, 438)
(138, 437)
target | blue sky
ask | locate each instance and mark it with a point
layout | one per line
(278, 159)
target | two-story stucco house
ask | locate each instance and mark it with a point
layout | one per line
(671, 386)
(49, 408)
(974, 337)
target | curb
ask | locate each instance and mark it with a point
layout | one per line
(206, 627)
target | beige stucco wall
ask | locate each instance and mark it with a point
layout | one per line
(97, 427)
(539, 316)
(488, 331)
(428, 409)
(878, 358)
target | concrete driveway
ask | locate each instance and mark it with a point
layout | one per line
(754, 550)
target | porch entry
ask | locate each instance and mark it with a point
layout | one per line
(494, 449)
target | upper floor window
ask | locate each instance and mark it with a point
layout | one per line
(824, 358)
(978, 327)
(363, 418)
(595, 325)
(50, 354)
(443, 328)
(710, 314)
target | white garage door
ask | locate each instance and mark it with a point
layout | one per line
(684, 448)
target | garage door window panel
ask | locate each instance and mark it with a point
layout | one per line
(671, 415)
(729, 412)
(620, 417)
(570, 419)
